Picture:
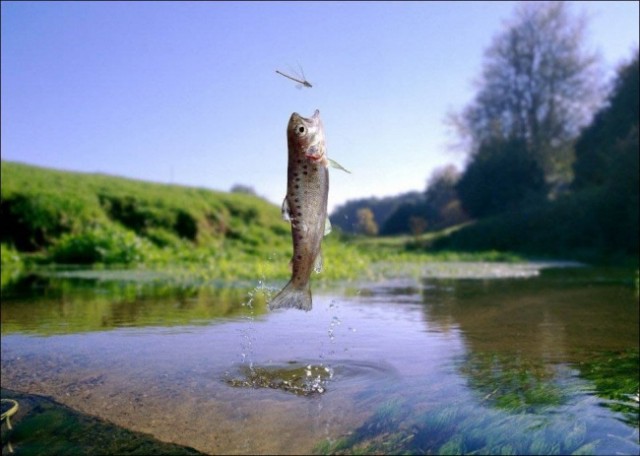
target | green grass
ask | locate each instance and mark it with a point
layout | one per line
(65, 217)
(40, 205)
(68, 218)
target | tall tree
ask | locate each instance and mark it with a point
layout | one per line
(607, 159)
(539, 86)
(501, 177)
(598, 149)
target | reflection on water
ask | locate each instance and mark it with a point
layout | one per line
(452, 363)
(70, 305)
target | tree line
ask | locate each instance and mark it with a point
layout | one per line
(542, 128)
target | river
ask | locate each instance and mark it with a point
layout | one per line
(483, 358)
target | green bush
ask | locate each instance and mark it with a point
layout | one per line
(12, 264)
(163, 238)
(108, 245)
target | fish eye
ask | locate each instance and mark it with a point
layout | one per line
(300, 130)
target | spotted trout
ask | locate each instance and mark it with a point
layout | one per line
(305, 206)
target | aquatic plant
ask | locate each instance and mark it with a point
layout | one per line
(514, 413)
(463, 429)
(512, 382)
(616, 379)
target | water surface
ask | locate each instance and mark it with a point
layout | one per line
(512, 360)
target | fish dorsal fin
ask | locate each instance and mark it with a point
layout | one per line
(336, 165)
(286, 213)
(327, 226)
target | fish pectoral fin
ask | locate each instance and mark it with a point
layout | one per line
(327, 226)
(318, 263)
(286, 213)
(335, 164)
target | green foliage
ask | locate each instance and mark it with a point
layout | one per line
(502, 176)
(570, 226)
(346, 216)
(399, 221)
(600, 220)
(107, 245)
(597, 150)
(41, 207)
(12, 265)
(438, 208)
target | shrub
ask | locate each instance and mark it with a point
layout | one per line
(106, 245)
(12, 264)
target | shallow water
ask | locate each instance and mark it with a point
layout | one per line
(503, 361)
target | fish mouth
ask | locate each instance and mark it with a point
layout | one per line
(314, 158)
(313, 155)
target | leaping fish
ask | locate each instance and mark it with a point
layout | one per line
(305, 205)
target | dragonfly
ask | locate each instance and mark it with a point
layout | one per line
(302, 80)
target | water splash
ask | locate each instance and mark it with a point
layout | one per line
(305, 380)
(335, 322)
(248, 333)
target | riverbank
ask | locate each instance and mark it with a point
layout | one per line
(45, 427)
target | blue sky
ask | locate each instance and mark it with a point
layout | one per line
(187, 92)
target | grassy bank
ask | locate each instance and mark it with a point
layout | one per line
(53, 217)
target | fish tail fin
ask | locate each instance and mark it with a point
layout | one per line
(292, 297)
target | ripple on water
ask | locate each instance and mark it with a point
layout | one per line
(308, 379)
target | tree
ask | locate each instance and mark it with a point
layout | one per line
(607, 160)
(597, 148)
(441, 187)
(502, 177)
(366, 222)
(538, 86)
(345, 216)
(399, 221)
(443, 207)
